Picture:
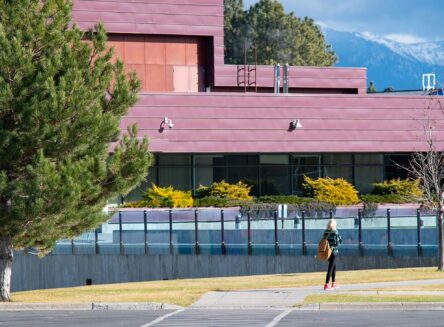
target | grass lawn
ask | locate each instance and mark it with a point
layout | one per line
(353, 298)
(434, 287)
(184, 292)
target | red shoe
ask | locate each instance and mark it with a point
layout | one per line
(333, 285)
(327, 287)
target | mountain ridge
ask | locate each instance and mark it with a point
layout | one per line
(389, 63)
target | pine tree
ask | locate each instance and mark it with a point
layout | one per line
(279, 37)
(61, 100)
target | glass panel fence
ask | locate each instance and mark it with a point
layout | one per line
(214, 231)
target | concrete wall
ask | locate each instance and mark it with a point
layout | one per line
(54, 271)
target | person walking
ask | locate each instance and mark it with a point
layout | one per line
(334, 239)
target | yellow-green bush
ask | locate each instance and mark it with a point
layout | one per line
(238, 191)
(135, 204)
(407, 188)
(335, 191)
(168, 197)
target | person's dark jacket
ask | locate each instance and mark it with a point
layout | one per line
(334, 239)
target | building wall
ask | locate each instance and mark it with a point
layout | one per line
(259, 123)
(163, 63)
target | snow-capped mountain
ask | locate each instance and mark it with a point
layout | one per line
(389, 63)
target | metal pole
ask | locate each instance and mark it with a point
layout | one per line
(73, 249)
(331, 214)
(360, 231)
(170, 218)
(304, 244)
(96, 240)
(276, 240)
(255, 67)
(389, 236)
(145, 231)
(222, 232)
(418, 230)
(196, 234)
(121, 234)
(245, 66)
(250, 250)
(286, 78)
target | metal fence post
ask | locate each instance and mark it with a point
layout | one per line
(331, 214)
(196, 234)
(170, 219)
(222, 233)
(73, 249)
(96, 240)
(361, 252)
(250, 250)
(276, 240)
(418, 230)
(145, 231)
(389, 233)
(304, 244)
(121, 234)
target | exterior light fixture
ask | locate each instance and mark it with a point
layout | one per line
(165, 122)
(295, 124)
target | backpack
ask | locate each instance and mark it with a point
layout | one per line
(324, 249)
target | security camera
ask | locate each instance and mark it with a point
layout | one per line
(168, 122)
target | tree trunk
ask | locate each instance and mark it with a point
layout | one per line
(6, 256)
(440, 241)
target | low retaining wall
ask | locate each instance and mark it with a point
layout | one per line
(54, 271)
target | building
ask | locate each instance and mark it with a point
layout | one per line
(203, 127)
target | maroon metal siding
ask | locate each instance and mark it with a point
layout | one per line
(202, 18)
(166, 17)
(299, 77)
(215, 123)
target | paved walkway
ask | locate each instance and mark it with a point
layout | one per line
(288, 297)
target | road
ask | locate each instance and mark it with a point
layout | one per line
(221, 318)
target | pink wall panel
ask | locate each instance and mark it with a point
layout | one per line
(259, 123)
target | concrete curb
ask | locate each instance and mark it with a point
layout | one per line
(399, 306)
(87, 306)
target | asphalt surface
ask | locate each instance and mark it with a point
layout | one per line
(222, 318)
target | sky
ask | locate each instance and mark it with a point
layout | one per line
(407, 21)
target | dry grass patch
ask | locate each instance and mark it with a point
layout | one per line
(186, 291)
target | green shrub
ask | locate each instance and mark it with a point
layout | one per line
(168, 197)
(406, 188)
(238, 191)
(212, 201)
(135, 204)
(285, 199)
(312, 208)
(334, 191)
(386, 198)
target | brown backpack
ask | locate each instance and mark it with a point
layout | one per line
(324, 249)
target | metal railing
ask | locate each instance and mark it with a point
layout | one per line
(228, 231)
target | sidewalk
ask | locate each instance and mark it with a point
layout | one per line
(288, 297)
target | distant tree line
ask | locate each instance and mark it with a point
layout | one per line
(279, 37)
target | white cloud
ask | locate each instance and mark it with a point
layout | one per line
(405, 38)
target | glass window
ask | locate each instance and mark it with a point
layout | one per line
(369, 159)
(338, 159)
(174, 160)
(209, 160)
(270, 159)
(345, 172)
(396, 165)
(242, 160)
(248, 175)
(365, 176)
(275, 180)
(138, 193)
(177, 177)
(207, 175)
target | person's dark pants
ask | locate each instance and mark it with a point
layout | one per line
(331, 272)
